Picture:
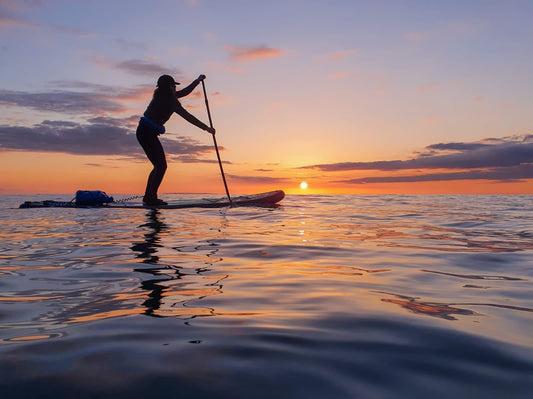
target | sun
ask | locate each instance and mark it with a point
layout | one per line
(303, 185)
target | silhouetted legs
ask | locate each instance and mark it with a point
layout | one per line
(155, 153)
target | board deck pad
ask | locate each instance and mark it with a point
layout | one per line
(263, 199)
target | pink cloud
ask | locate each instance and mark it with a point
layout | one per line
(253, 52)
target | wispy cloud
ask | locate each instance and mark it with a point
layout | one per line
(260, 179)
(502, 159)
(67, 102)
(504, 174)
(70, 138)
(508, 151)
(186, 158)
(141, 66)
(146, 68)
(246, 53)
(90, 100)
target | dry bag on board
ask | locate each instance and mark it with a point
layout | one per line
(94, 197)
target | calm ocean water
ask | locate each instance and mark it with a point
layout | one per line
(392, 296)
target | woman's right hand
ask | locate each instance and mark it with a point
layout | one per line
(211, 130)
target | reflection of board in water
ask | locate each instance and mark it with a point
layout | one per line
(264, 199)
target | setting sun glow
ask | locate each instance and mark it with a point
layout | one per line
(303, 185)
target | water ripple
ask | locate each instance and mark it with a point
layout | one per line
(325, 296)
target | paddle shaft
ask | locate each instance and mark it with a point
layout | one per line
(216, 146)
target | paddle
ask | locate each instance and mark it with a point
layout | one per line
(215, 142)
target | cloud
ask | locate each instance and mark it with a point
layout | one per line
(88, 99)
(503, 159)
(60, 101)
(193, 159)
(260, 179)
(253, 52)
(70, 138)
(145, 68)
(140, 66)
(334, 56)
(188, 149)
(509, 151)
(504, 174)
(100, 136)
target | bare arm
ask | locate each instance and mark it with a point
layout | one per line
(188, 90)
(190, 118)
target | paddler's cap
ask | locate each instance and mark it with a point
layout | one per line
(166, 80)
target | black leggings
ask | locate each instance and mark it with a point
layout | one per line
(147, 137)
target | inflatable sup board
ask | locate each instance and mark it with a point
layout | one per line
(264, 199)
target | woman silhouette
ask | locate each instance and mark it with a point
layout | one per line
(164, 103)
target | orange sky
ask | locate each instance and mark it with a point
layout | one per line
(64, 174)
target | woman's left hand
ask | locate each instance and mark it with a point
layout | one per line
(200, 78)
